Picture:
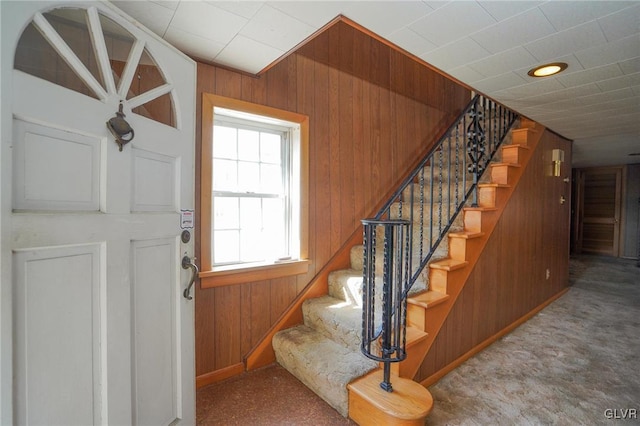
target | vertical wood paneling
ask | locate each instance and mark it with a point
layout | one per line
(228, 318)
(365, 130)
(509, 279)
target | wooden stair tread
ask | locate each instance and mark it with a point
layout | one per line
(466, 234)
(415, 335)
(504, 164)
(428, 298)
(493, 185)
(519, 145)
(448, 264)
(480, 209)
(408, 401)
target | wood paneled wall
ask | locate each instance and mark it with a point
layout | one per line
(510, 278)
(372, 113)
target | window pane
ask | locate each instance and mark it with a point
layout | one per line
(226, 247)
(71, 25)
(35, 56)
(271, 181)
(225, 142)
(226, 213)
(248, 176)
(248, 145)
(119, 43)
(274, 218)
(253, 248)
(147, 76)
(159, 109)
(225, 175)
(270, 146)
(250, 214)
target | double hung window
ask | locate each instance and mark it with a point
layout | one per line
(253, 215)
(253, 192)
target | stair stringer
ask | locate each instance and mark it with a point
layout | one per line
(447, 277)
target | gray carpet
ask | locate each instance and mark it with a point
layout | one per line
(576, 362)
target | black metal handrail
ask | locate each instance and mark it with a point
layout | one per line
(419, 215)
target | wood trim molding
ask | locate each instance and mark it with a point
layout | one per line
(219, 375)
(434, 378)
(261, 272)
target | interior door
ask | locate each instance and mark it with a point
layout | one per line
(96, 329)
(600, 198)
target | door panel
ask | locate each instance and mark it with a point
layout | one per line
(155, 303)
(60, 314)
(154, 182)
(600, 210)
(55, 169)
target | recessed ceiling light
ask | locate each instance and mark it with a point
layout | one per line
(634, 154)
(547, 70)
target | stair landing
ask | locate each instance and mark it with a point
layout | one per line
(409, 404)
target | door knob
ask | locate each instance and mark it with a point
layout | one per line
(187, 263)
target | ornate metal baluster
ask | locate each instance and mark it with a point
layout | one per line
(475, 148)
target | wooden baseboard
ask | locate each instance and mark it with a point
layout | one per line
(219, 375)
(435, 377)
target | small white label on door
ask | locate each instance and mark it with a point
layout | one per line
(186, 219)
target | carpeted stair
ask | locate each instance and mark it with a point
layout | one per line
(324, 352)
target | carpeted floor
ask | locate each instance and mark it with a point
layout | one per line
(573, 363)
(576, 362)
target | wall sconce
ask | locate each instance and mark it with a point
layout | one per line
(557, 157)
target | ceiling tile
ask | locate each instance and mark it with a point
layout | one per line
(581, 77)
(612, 95)
(467, 74)
(530, 25)
(565, 42)
(208, 21)
(617, 51)
(620, 82)
(502, 10)
(314, 13)
(410, 41)
(192, 44)
(585, 90)
(151, 15)
(452, 21)
(274, 28)
(621, 24)
(234, 54)
(384, 17)
(535, 87)
(567, 14)
(499, 82)
(169, 4)
(455, 54)
(246, 9)
(510, 59)
(630, 66)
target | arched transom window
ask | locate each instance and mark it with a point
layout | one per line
(85, 51)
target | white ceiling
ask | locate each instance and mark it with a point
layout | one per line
(489, 45)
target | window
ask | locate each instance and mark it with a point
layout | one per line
(253, 192)
(253, 204)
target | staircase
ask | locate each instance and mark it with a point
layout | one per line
(325, 351)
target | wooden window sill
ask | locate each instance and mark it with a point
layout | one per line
(240, 274)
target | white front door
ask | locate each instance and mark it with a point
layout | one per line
(95, 327)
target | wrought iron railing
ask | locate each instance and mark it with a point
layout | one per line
(412, 224)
